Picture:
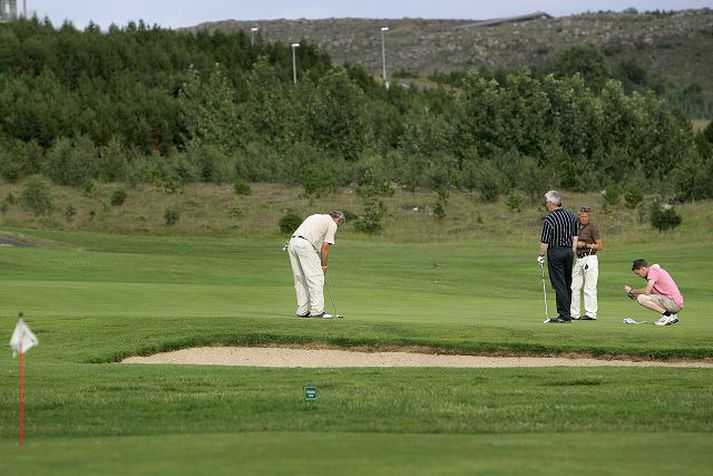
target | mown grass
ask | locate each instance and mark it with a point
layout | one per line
(94, 298)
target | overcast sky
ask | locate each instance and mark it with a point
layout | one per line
(179, 13)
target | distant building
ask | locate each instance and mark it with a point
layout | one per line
(8, 10)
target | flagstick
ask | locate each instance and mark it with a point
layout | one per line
(22, 397)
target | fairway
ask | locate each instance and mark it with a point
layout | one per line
(94, 299)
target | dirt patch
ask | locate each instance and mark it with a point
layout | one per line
(6, 241)
(292, 357)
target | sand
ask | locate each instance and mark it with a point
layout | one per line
(333, 358)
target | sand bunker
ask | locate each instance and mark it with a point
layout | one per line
(332, 358)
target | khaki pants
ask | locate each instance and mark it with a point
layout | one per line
(585, 273)
(663, 301)
(309, 276)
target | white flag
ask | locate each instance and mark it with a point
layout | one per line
(22, 338)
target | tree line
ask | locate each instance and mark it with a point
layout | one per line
(143, 104)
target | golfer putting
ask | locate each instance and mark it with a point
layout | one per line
(308, 249)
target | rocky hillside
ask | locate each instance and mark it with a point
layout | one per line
(673, 45)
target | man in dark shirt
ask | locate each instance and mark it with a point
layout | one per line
(558, 241)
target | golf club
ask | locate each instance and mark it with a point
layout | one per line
(336, 314)
(544, 291)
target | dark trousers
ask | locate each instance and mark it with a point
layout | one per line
(559, 265)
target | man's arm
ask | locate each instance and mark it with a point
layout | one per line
(646, 290)
(325, 255)
(575, 239)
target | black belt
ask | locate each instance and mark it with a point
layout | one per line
(297, 236)
(585, 255)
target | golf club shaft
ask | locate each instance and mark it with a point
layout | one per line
(544, 291)
(329, 292)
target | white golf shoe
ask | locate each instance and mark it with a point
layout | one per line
(322, 315)
(666, 320)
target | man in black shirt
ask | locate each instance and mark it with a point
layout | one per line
(558, 241)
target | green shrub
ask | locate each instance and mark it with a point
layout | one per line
(289, 223)
(349, 216)
(171, 216)
(88, 188)
(118, 198)
(69, 212)
(514, 202)
(633, 197)
(37, 196)
(439, 211)
(663, 216)
(610, 196)
(241, 187)
(10, 198)
(317, 181)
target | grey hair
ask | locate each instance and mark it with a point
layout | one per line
(554, 197)
(338, 215)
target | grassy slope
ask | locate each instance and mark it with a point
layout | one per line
(94, 297)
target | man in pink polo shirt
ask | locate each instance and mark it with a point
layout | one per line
(660, 294)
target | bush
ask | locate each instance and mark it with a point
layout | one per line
(317, 181)
(69, 212)
(118, 198)
(71, 162)
(10, 198)
(37, 196)
(514, 202)
(633, 197)
(371, 197)
(171, 216)
(289, 223)
(88, 188)
(439, 211)
(663, 216)
(241, 187)
(610, 196)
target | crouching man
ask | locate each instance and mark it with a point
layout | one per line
(660, 293)
(309, 254)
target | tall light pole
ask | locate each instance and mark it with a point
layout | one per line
(294, 62)
(253, 32)
(383, 54)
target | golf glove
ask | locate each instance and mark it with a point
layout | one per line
(541, 260)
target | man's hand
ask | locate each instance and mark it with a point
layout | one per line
(629, 292)
(541, 260)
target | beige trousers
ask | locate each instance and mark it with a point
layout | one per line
(309, 276)
(585, 274)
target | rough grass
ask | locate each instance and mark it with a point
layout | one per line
(205, 210)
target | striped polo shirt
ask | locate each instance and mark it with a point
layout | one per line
(559, 227)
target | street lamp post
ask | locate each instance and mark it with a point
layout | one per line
(383, 54)
(253, 32)
(294, 62)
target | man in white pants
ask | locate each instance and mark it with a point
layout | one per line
(309, 255)
(585, 272)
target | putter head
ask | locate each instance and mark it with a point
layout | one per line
(340, 316)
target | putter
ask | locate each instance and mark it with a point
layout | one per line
(329, 292)
(544, 291)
